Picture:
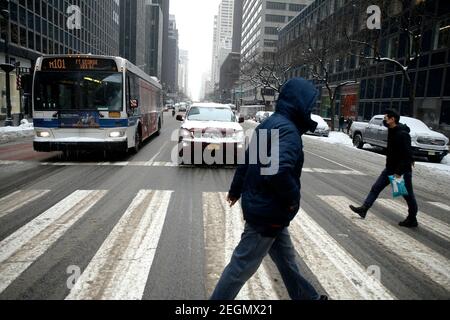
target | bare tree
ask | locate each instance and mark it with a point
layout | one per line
(264, 74)
(316, 52)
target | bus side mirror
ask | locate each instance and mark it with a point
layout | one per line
(134, 104)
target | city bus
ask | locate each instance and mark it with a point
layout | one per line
(87, 102)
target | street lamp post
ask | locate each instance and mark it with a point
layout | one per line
(7, 67)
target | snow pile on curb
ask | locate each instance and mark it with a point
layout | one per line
(25, 129)
(335, 138)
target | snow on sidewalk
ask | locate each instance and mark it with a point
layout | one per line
(25, 129)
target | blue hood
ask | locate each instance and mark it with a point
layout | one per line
(296, 101)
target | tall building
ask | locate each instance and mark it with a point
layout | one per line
(166, 63)
(223, 37)
(154, 39)
(173, 59)
(260, 24)
(132, 31)
(183, 72)
(41, 27)
(237, 25)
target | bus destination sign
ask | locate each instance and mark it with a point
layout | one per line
(78, 64)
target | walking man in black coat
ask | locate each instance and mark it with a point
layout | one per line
(399, 162)
(271, 201)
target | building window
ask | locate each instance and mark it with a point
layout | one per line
(445, 113)
(435, 83)
(276, 5)
(296, 7)
(275, 18)
(271, 30)
(447, 84)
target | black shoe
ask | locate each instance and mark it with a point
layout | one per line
(323, 297)
(361, 211)
(409, 223)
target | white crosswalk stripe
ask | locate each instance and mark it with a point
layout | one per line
(426, 221)
(440, 205)
(23, 247)
(430, 263)
(223, 229)
(120, 268)
(341, 275)
(19, 199)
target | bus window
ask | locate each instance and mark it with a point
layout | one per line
(100, 91)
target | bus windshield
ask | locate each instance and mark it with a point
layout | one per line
(100, 91)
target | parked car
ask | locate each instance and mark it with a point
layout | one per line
(425, 142)
(323, 130)
(213, 127)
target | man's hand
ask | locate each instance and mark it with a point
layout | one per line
(397, 176)
(231, 200)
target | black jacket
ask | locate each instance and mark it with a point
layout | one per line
(274, 198)
(399, 152)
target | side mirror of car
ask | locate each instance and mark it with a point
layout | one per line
(180, 117)
(241, 119)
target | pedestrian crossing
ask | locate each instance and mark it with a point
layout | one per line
(121, 266)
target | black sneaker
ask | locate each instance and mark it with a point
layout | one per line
(409, 223)
(361, 211)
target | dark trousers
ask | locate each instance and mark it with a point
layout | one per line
(383, 182)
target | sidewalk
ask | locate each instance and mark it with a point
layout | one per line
(15, 133)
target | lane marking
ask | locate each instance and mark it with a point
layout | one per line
(426, 221)
(157, 164)
(150, 162)
(441, 206)
(19, 199)
(341, 275)
(430, 263)
(329, 160)
(120, 268)
(23, 247)
(220, 218)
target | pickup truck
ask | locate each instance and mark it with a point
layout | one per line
(424, 141)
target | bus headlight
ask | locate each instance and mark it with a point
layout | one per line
(43, 134)
(116, 134)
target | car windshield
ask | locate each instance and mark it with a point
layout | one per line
(414, 124)
(78, 91)
(211, 114)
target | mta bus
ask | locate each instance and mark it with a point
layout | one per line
(87, 102)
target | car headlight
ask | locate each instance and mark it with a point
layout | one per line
(117, 134)
(43, 134)
(184, 133)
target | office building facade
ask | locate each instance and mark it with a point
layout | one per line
(41, 27)
(260, 24)
(223, 37)
(154, 39)
(380, 85)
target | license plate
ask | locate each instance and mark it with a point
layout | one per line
(212, 147)
(431, 153)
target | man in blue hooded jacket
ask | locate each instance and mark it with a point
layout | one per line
(271, 200)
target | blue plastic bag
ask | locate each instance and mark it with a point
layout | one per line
(398, 187)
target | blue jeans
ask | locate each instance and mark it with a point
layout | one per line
(249, 255)
(383, 182)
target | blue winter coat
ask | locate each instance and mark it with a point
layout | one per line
(274, 199)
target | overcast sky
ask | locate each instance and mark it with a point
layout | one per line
(195, 22)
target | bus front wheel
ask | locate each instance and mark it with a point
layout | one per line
(137, 141)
